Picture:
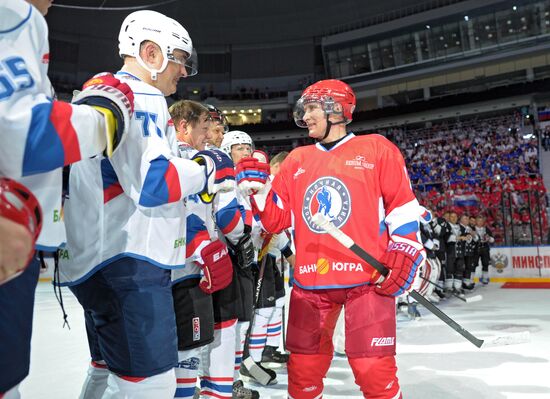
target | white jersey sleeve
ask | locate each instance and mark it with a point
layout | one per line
(229, 215)
(147, 165)
(42, 134)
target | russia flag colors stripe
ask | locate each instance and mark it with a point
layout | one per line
(196, 234)
(111, 186)
(51, 141)
(161, 185)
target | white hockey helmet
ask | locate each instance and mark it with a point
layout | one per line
(235, 137)
(167, 33)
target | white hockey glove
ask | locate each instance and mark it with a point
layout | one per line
(115, 100)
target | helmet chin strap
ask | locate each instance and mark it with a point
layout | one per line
(329, 126)
(154, 72)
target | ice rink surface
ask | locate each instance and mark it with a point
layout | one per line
(433, 360)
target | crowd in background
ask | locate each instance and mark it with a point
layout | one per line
(481, 165)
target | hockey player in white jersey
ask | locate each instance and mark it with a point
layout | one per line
(44, 135)
(208, 266)
(218, 358)
(285, 258)
(119, 265)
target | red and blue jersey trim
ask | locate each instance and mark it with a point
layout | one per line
(52, 141)
(229, 217)
(111, 185)
(161, 185)
(196, 234)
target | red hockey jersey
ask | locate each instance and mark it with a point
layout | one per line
(361, 184)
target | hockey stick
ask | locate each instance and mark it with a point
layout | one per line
(283, 317)
(473, 298)
(256, 371)
(346, 241)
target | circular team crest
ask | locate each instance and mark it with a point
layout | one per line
(329, 196)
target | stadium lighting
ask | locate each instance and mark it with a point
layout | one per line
(515, 8)
(428, 26)
(466, 18)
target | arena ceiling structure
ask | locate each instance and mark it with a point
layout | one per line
(235, 22)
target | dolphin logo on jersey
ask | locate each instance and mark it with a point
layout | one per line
(329, 196)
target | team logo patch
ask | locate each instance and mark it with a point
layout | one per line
(329, 196)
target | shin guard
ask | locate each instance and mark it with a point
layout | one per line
(305, 375)
(376, 377)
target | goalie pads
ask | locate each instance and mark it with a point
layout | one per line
(115, 100)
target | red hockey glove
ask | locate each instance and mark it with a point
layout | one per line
(219, 171)
(115, 100)
(217, 267)
(403, 260)
(252, 175)
(19, 205)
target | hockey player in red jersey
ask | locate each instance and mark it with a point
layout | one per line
(361, 184)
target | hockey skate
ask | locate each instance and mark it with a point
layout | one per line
(459, 292)
(272, 355)
(440, 293)
(241, 392)
(484, 280)
(412, 311)
(258, 374)
(433, 298)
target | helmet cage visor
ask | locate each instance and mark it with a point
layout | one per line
(191, 63)
(326, 103)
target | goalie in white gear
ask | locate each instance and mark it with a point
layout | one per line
(132, 205)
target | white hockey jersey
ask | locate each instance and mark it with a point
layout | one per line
(131, 205)
(206, 221)
(40, 134)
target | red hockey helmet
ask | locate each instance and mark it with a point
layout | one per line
(327, 93)
(20, 205)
